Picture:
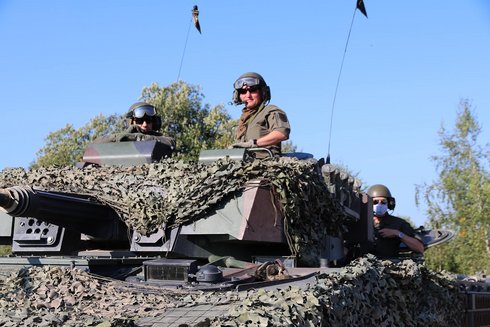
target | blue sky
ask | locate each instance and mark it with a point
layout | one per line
(406, 69)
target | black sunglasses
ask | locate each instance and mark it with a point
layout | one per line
(251, 89)
(384, 201)
(140, 121)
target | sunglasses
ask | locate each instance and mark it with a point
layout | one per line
(146, 119)
(251, 89)
(384, 201)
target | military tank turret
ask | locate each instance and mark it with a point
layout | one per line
(248, 223)
(80, 228)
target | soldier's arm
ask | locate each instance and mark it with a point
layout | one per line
(273, 137)
(412, 243)
(279, 126)
(105, 139)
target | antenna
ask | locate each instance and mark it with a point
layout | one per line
(194, 18)
(183, 52)
(360, 6)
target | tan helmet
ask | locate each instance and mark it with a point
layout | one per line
(251, 79)
(379, 190)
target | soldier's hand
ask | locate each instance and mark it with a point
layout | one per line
(246, 144)
(388, 232)
(122, 137)
(132, 129)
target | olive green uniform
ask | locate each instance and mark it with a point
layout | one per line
(267, 119)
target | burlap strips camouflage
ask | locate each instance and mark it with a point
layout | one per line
(176, 192)
(368, 292)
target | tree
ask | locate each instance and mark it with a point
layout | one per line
(65, 146)
(193, 125)
(460, 199)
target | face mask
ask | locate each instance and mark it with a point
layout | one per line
(380, 209)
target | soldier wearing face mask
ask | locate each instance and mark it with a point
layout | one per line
(390, 231)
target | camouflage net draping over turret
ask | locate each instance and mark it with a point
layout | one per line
(368, 292)
(176, 192)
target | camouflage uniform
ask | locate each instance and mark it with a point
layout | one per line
(267, 119)
(389, 247)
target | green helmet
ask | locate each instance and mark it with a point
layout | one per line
(251, 79)
(379, 190)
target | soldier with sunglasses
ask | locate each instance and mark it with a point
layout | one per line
(261, 125)
(143, 124)
(390, 231)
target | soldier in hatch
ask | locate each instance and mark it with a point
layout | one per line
(261, 125)
(143, 125)
(390, 231)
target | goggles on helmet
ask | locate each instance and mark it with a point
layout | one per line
(246, 81)
(144, 110)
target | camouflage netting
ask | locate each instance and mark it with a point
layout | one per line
(368, 292)
(176, 192)
(55, 296)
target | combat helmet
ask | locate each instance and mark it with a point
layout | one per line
(141, 109)
(379, 190)
(251, 79)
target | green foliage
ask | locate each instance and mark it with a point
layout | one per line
(5, 250)
(288, 146)
(65, 146)
(184, 117)
(460, 199)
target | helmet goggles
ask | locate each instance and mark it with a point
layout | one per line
(140, 112)
(246, 81)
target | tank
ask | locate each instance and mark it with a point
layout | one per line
(247, 226)
(241, 242)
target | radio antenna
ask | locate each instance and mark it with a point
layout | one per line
(362, 9)
(195, 19)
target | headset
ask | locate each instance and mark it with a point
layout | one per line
(391, 203)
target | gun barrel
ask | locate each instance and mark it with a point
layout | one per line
(6, 200)
(72, 211)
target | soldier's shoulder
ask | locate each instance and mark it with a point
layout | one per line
(272, 107)
(396, 218)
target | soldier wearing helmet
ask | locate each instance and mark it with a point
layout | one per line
(261, 125)
(390, 231)
(143, 124)
(142, 118)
